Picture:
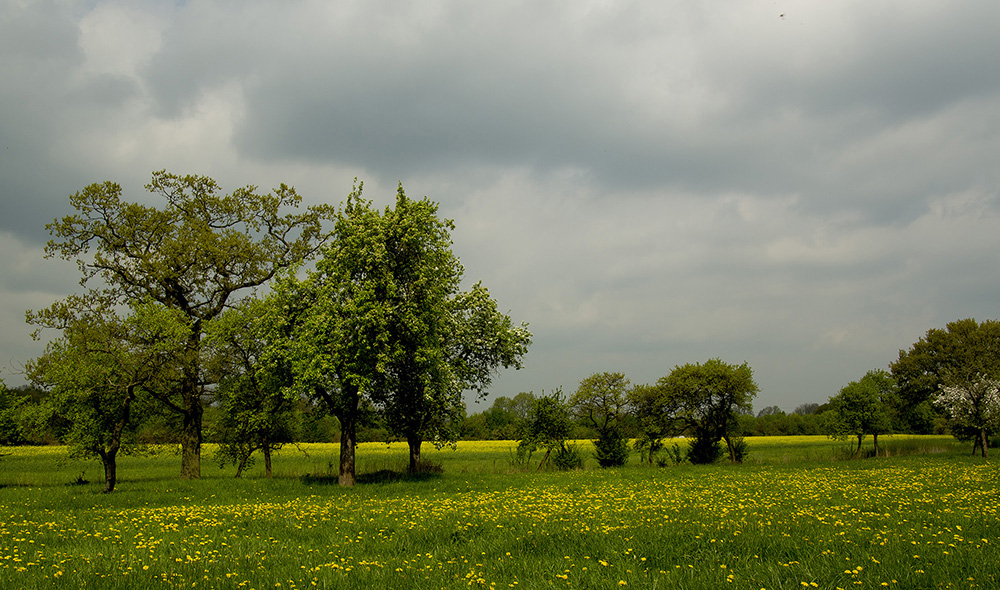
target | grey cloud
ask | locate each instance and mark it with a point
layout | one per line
(626, 93)
(647, 184)
(45, 104)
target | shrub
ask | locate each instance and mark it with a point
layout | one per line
(610, 448)
(704, 450)
(674, 456)
(740, 450)
(568, 457)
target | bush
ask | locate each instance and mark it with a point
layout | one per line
(610, 448)
(674, 456)
(568, 457)
(704, 450)
(740, 450)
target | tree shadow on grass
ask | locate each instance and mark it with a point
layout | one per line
(426, 472)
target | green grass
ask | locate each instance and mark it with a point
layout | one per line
(794, 518)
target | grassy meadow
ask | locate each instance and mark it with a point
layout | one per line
(792, 517)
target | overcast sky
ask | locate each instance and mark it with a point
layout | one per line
(807, 186)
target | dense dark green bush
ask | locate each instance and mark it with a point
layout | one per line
(704, 450)
(610, 448)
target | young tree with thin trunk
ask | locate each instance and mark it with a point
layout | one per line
(547, 427)
(600, 401)
(654, 412)
(102, 368)
(864, 407)
(253, 393)
(707, 398)
(193, 255)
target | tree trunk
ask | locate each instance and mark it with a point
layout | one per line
(729, 445)
(875, 438)
(414, 443)
(347, 428)
(984, 443)
(267, 459)
(191, 436)
(857, 452)
(109, 458)
(348, 435)
(242, 465)
(544, 459)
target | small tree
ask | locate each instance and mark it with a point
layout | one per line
(547, 428)
(973, 405)
(707, 398)
(600, 401)
(102, 367)
(863, 407)
(654, 418)
(253, 394)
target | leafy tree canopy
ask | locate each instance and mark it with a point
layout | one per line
(102, 367)
(864, 407)
(191, 254)
(708, 397)
(955, 355)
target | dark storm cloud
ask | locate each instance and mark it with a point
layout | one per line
(44, 106)
(604, 91)
(646, 183)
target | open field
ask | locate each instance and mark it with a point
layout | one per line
(794, 518)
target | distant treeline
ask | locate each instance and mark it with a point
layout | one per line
(22, 424)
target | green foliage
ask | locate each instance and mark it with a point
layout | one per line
(947, 368)
(864, 407)
(442, 341)
(191, 256)
(600, 402)
(707, 399)
(655, 419)
(547, 427)
(331, 328)
(501, 420)
(704, 448)
(955, 355)
(101, 370)
(974, 409)
(254, 398)
(781, 424)
(382, 321)
(674, 456)
(611, 448)
(740, 449)
(10, 429)
(568, 457)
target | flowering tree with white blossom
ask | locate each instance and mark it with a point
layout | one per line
(975, 405)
